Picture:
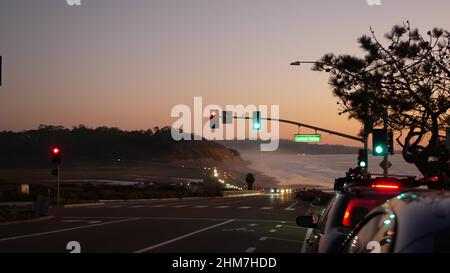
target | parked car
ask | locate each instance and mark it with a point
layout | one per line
(409, 223)
(351, 203)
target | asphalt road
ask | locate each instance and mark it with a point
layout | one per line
(260, 224)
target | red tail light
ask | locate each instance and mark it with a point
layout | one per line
(385, 186)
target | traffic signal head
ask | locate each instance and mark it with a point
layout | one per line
(214, 119)
(363, 161)
(56, 155)
(380, 142)
(257, 120)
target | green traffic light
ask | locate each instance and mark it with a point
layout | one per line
(256, 126)
(362, 164)
(379, 149)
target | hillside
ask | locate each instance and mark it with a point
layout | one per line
(105, 144)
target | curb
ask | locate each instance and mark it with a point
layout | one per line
(28, 221)
(84, 205)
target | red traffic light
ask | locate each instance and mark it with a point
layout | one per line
(56, 151)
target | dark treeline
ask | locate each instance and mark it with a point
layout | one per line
(93, 144)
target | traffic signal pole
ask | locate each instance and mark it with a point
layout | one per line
(360, 139)
(386, 156)
(57, 196)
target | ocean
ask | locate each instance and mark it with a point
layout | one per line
(320, 170)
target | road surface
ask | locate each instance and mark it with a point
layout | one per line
(259, 224)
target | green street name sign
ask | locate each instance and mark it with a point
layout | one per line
(307, 138)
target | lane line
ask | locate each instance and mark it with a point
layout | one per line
(182, 237)
(200, 207)
(222, 207)
(67, 229)
(137, 206)
(263, 238)
(180, 206)
(290, 207)
(278, 226)
(245, 207)
(159, 206)
(272, 230)
(182, 218)
(281, 239)
(250, 250)
(266, 208)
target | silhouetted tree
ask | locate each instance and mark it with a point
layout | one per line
(407, 81)
(250, 179)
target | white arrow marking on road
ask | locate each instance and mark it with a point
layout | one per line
(250, 250)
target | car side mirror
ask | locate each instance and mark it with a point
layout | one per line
(306, 221)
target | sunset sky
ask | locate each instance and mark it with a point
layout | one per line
(127, 63)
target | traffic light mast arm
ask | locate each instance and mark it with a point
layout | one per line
(360, 139)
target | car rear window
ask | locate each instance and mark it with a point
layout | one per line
(358, 208)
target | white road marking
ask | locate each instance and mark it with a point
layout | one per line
(222, 207)
(115, 207)
(200, 207)
(290, 207)
(263, 238)
(272, 230)
(266, 208)
(281, 239)
(182, 237)
(278, 226)
(245, 207)
(137, 206)
(250, 250)
(287, 226)
(182, 218)
(67, 229)
(252, 225)
(81, 221)
(159, 206)
(180, 206)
